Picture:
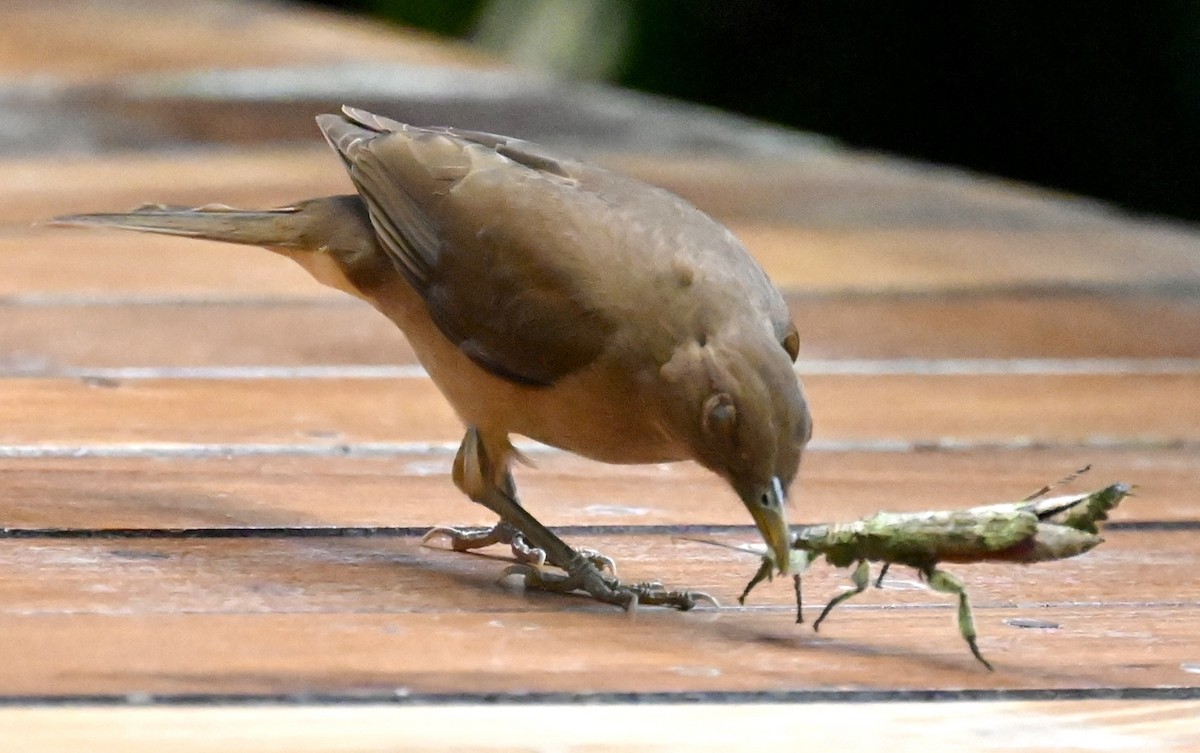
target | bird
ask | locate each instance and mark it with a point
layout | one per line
(550, 298)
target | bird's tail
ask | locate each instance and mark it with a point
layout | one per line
(307, 224)
(331, 237)
(272, 227)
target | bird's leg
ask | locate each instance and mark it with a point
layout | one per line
(940, 580)
(583, 575)
(504, 532)
(490, 483)
(861, 577)
(477, 476)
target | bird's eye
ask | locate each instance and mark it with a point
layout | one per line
(719, 415)
(791, 343)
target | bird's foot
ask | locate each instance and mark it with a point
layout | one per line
(601, 561)
(584, 574)
(465, 539)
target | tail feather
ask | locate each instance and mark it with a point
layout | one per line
(271, 227)
(330, 237)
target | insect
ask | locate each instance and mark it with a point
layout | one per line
(1036, 529)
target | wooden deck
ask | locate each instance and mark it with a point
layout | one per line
(214, 473)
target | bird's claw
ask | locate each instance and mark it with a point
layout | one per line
(601, 561)
(523, 552)
(656, 594)
(584, 574)
(465, 539)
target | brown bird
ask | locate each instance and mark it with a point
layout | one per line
(550, 298)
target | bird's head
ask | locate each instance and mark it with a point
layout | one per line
(739, 406)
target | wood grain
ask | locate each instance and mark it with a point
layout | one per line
(413, 489)
(103, 39)
(502, 651)
(978, 323)
(921, 409)
(798, 255)
(396, 574)
(38, 188)
(250, 612)
(87, 329)
(989, 726)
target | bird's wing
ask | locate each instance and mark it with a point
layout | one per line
(491, 263)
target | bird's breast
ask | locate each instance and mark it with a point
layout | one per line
(604, 411)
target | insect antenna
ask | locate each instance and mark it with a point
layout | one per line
(1065, 480)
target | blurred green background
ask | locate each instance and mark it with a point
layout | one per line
(1096, 98)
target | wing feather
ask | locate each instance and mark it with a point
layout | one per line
(496, 290)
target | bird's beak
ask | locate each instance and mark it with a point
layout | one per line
(766, 506)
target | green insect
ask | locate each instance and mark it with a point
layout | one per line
(1037, 529)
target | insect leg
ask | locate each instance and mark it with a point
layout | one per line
(882, 572)
(861, 577)
(940, 580)
(765, 571)
(796, 583)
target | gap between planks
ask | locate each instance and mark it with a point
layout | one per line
(804, 367)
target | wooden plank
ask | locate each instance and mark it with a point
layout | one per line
(866, 251)
(1000, 408)
(79, 40)
(111, 267)
(320, 412)
(839, 205)
(919, 409)
(40, 339)
(37, 188)
(414, 489)
(587, 650)
(845, 199)
(929, 256)
(44, 334)
(242, 575)
(798, 257)
(913, 727)
(843, 188)
(1005, 324)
